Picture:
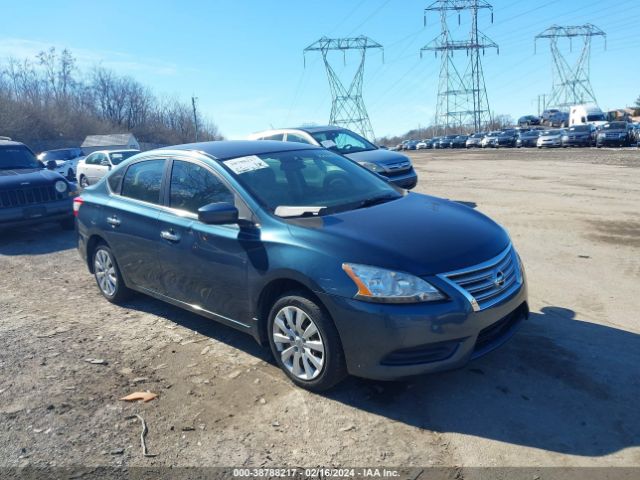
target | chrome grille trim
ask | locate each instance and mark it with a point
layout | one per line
(479, 284)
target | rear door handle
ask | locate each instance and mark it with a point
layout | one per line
(170, 235)
(114, 221)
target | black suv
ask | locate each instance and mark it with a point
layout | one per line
(31, 193)
(614, 134)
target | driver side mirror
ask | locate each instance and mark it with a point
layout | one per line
(51, 165)
(221, 213)
(105, 163)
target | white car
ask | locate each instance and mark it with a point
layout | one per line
(96, 165)
(550, 138)
(421, 145)
(66, 161)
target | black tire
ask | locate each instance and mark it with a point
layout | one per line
(334, 369)
(68, 223)
(84, 183)
(121, 292)
(70, 174)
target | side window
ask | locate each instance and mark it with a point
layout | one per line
(193, 186)
(143, 180)
(90, 159)
(277, 136)
(294, 137)
(114, 180)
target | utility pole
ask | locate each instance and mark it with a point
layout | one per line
(462, 94)
(347, 105)
(195, 115)
(571, 83)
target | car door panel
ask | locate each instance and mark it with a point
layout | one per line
(134, 232)
(133, 235)
(205, 266)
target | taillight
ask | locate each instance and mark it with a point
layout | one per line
(77, 203)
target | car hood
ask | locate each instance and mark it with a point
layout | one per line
(34, 177)
(379, 156)
(550, 137)
(419, 234)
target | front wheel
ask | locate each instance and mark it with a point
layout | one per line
(305, 342)
(108, 277)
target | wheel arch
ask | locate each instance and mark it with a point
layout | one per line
(92, 244)
(273, 290)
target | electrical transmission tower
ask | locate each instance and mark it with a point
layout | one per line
(347, 106)
(462, 95)
(571, 84)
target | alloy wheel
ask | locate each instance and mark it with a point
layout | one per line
(299, 343)
(105, 273)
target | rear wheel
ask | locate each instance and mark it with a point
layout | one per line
(107, 274)
(84, 183)
(305, 342)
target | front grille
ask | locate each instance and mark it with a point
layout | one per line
(21, 197)
(490, 282)
(398, 167)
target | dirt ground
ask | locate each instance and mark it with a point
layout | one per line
(564, 391)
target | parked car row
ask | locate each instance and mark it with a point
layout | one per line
(615, 134)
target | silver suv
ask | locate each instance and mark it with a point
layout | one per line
(393, 165)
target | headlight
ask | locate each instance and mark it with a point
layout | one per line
(386, 286)
(61, 186)
(372, 166)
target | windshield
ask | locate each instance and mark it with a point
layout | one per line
(616, 126)
(343, 141)
(14, 157)
(580, 128)
(57, 155)
(119, 157)
(530, 133)
(309, 178)
(552, 132)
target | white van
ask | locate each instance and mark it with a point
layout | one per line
(586, 115)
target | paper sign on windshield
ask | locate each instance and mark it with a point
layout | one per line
(328, 143)
(246, 164)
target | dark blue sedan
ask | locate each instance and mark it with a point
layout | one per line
(332, 266)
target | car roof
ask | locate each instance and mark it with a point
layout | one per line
(11, 143)
(118, 150)
(225, 149)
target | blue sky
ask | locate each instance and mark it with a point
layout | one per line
(244, 62)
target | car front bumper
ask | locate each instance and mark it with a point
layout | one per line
(577, 142)
(385, 342)
(38, 213)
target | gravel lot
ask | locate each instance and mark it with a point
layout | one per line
(564, 391)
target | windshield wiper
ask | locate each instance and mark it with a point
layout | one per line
(287, 211)
(369, 202)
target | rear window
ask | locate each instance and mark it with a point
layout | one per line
(119, 157)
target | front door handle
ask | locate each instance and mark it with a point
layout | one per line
(113, 221)
(170, 235)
